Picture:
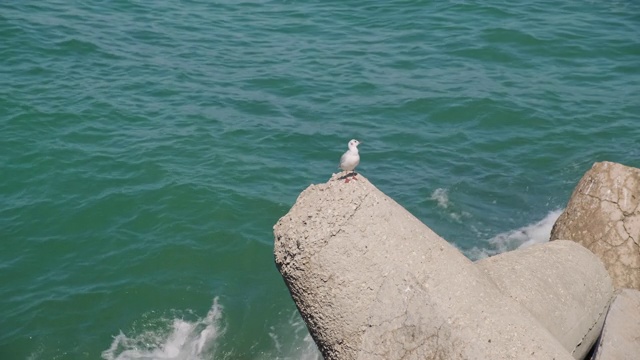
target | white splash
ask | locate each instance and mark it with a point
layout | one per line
(536, 233)
(298, 346)
(185, 340)
(540, 232)
(441, 196)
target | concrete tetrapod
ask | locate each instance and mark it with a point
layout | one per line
(603, 215)
(563, 284)
(620, 338)
(373, 282)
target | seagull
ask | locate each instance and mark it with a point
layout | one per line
(350, 159)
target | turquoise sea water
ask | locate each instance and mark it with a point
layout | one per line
(147, 149)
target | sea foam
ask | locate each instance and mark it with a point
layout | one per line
(180, 339)
(184, 340)
(534, 233)
(441, 196)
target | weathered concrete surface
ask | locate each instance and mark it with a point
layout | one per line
(561, 283)
(603, 215)
(373, 282)
(621, 334)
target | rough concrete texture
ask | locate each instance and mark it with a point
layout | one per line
(373, 282)
(603, 215)
(564, 285)
(621, 334)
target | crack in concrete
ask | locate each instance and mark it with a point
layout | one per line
(624, 215)
(377, 300)
(602, 200)
(408, 337)
(600, 315)
(310, 253)
(340, 226)
(624, 226)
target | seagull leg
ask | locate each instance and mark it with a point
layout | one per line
(350, 176)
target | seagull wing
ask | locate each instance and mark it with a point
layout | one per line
(342, 159)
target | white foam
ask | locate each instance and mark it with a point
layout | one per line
(535, 233)
(301, 348)
(441, 196)
(184, 340)
(179, 339)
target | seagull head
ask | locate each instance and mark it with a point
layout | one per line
(353, 144)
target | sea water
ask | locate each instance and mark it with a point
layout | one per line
(147, 149)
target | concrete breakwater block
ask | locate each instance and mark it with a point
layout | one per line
(562, 284)
(603, 215)
(373, 282)
(620, 338)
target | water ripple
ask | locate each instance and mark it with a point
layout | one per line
(148, 148)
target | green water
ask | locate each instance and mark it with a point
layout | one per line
(147, 149)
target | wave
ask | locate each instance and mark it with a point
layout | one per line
(534, 233)
(179, 339)
(303, 346)
(441, 197)
(184, 340)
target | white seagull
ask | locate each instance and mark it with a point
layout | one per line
(350, 159)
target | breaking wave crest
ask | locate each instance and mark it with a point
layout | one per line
(535, 233)
(302, 348)
(182, 340)
(441, 197)
(175, 338)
